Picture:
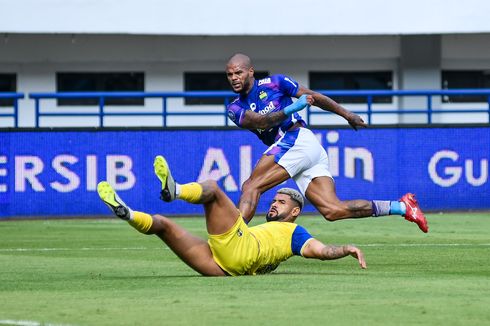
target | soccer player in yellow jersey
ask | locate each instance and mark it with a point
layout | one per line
(232, 247)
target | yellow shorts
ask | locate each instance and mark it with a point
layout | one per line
(236, 250)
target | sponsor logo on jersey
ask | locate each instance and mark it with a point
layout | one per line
(231, 115)
(263, 95)
(264, 81)
(268, 108)
(253, 106)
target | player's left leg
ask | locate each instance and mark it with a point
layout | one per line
(321, 193)
(194, 251)
(140, 221)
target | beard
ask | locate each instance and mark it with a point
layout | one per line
(277, 217)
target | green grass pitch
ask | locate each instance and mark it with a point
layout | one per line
(103, 272)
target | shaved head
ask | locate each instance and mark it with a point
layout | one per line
(240, 73)
(240, 59)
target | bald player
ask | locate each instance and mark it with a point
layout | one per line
(265, 107)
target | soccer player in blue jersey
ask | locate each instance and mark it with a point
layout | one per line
(265, 107)
(232, 248)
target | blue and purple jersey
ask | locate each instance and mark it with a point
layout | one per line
(270, 94)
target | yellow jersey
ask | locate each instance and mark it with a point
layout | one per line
(259, 249)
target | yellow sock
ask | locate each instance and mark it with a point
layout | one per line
(141, 221)
(191, 192)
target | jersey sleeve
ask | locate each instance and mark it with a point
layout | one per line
(236, 113)
(287, 85)
(299, 239)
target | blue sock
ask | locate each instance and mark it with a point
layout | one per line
(397, 207)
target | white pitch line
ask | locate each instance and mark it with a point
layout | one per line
(28, 323)
(76, 249)
(166, 248)
(425, 245)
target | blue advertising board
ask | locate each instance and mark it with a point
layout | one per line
(55, 173)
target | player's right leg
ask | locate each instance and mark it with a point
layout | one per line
(266, 174)
(221, 213)
(193, 251)
(296, 151)
(190, 192)
(230, 242)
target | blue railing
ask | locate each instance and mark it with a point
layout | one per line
(15, 112)
(164, 113)
(102, 96)
(429, 94)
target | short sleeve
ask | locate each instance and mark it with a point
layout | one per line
(236, 113)
(287, 85)
(299, 239)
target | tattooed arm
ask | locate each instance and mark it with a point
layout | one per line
(318, 250)
(254, 120)
(327, 104)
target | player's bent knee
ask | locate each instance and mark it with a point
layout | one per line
(331, 213)
(211, 187)
(250, 188)
(157, 218)
(159, 224)
(247, 185)
(329, 217)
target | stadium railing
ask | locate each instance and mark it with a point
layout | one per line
(12, 112)
(429, 110)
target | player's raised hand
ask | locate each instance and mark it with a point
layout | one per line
(356, 121)
(310, 100)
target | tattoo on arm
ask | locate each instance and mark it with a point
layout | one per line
(333, 252)
(256, 121)
(274, 118)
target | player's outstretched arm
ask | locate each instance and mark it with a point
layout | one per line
(327, 104)
(253, 120)
(318, 250)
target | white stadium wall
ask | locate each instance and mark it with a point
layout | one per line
(252, 17)
(413, 39)
(164, 59)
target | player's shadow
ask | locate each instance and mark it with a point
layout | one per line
(326, 273)
(149, 277)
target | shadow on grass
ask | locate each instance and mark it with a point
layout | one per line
(153, 277)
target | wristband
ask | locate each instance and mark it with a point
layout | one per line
(299, 105)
